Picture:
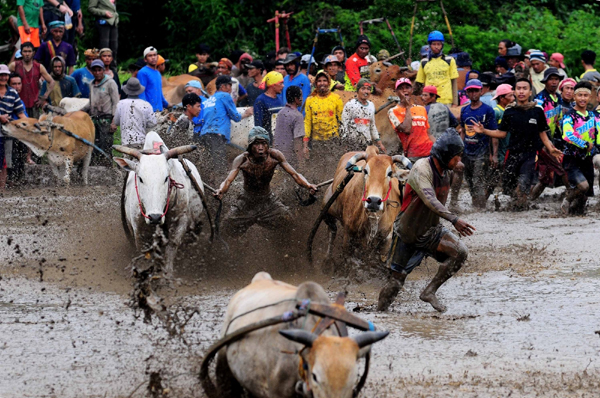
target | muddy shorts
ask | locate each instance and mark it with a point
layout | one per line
(476, 174)
(519, 170)
(267, 211)
(548, 168)
(409, 256)
(580, 170)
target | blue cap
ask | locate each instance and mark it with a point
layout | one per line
(56, 24)
(474, 83)
(97, 62)
(194, 83)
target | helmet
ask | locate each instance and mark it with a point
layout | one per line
(329, 59)
(424, 51)
(436, 35)
(447, 146)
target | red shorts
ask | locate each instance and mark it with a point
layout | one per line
(548, 167)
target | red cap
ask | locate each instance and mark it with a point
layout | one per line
(430, 90)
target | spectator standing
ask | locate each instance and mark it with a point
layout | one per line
(30, 14)
(242, 69)
(513, 56)
(64, 86)
(15, 151)
(104, 97)
(151, 79)
(439, 70)
(107, 22)
(83, 76)
(283, 53)
(358, 118)
(557, 61)
(280, 67)
(10, 103)
(224, 69)
(538, 66)
(323, 114)
(357, 65)
(31, 71)
(340, 53)
(269, 103)
(503, 73)
(134, 115)
(293, 78)
(410, 122)
(289, 130)
(332, 66)
(567, 92)
(56, 46)
(588, 59)
(487, 94)
(110, 70)
(55, 10)
(204, 71)
(504, 97)
(478, 121)
(255, 72)
(77, 20)
(503, 47)
(439, 116)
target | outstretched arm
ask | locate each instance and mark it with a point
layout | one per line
(235, 169)
(299, 178)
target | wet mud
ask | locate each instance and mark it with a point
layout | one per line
(523, 318)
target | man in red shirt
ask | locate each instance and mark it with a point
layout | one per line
(412, 127)
(357, 65)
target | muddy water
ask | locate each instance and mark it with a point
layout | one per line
(521, 322)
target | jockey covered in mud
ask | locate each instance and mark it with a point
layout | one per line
(417, 229)
(258, 204)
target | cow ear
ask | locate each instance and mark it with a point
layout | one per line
(126, 164)
(299, 336)
(401, 174)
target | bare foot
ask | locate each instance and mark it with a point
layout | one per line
(388, 294)
(432, 299)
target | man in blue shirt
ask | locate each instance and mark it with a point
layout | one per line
(151, 78)
(219, 111)
(83, 76)
(477, 156)
(293, 78)
(268, 103)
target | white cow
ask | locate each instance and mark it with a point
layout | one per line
(260, 362)
(158, 192)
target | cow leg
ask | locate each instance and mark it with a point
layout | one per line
(55, 170)
(176, 234)
(68, 165)
(331, 223)
(227, 384)
(86, 166)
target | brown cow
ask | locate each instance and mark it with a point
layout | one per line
(370, 202)
(174, 87)
(43, 136)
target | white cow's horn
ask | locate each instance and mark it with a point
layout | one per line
(128, 151)
(180, 150)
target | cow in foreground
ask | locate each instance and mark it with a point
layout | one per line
(370, 202)
(44, 137)
(263, 362)
(157, 192)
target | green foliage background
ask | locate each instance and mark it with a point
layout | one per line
(175, 27)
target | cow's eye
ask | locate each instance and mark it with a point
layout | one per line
(390, 173)
(366, 171)
(141, 181)
(314, 376)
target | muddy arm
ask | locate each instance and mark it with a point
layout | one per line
(235, 169)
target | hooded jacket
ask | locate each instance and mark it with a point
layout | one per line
(65, 86)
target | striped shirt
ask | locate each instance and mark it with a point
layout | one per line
(11, 103)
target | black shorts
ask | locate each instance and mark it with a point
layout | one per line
(409, 256)
(519, 170)
(580, 170)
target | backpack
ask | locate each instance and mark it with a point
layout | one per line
(447, 58)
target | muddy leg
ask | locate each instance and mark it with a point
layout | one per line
(537, 190)
(457, 252)
(388, 294)
(332, 224)
(85, 169)
(573, 194)
(457, 180)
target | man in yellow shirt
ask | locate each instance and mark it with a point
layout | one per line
(438, 70)
(323, 113)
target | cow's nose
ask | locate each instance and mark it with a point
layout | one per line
(154, 218)
(374, 203)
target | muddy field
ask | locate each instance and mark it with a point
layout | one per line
(523, 319)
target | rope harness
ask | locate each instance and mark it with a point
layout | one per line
(172, 184)
(387, 196)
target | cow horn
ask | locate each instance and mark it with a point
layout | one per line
(393, 57)
(180, 150)
(368, 338)
(128, 151)
(402, 159)
(299, 336)
(355, 159)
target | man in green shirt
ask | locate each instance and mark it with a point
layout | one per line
(30, 13)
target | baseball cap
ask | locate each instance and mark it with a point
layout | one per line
(305, 58)
(403, 80)
(161, 60)
(549, 72)
(474, 83)
(97, 62)
(256, 64)
(431, 90)
(558, 57)
(149, 50)
(5, 71)
(503, 89)
(193, 83)
(223, 79)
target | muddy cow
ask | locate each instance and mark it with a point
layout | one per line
(44, 137)
(260, 364)
(369, 204)
(173, 88)
(158, 192)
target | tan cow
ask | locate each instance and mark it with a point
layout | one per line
(370, 202)
(174, 87)
(43, 137)
(261, 364)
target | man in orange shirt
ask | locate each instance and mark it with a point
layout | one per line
(412, 129)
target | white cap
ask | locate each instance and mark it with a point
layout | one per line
(149, 50)
(305, 58)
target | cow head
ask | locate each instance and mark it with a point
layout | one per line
(30, 132)
(152, 174)
(332, 362)
(378, 173)
(384, 72)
